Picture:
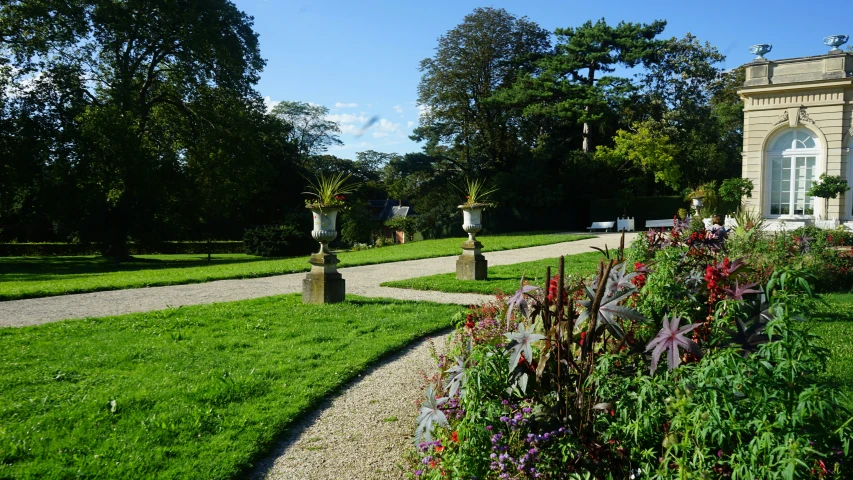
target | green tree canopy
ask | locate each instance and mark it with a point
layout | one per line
(484, 54)
(585, 55)
(137, 97)
(312, 133)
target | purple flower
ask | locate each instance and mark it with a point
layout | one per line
(518, 300)
(670, 338)
(418, 473)
(740, 291)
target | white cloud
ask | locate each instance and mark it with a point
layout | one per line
(346, 118)
(423, 110)
(386, 126)
(398, 109)
(345, 105)
(270, 104)
(350, 124)
(410, 124)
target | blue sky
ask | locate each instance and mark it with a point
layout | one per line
(360, 58)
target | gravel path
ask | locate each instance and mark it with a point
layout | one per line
(363, 280)
(365, 431)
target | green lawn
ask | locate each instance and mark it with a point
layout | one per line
(834, 324)
(26, 277)
(505, 278)
(193, 392)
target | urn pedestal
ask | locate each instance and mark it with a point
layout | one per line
(323, 284)
(472, 265)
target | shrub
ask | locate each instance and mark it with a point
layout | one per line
(277, 241)
(826, 256)
(682, 368)
(70, 249)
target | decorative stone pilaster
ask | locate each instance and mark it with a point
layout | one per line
(323, 284)
(472, 265)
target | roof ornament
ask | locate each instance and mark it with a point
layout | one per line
(760, 49)
(835, 41)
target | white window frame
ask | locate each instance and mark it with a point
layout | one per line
(792, 153)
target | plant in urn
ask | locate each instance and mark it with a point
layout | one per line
(472, 265)
(323, 284)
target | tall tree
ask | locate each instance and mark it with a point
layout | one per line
(312, 133)
(132, 64)
(587, 53)
(461, 119)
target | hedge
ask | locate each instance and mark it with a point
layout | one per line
(69, 249)
(277, 241)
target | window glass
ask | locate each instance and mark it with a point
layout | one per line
(791, 175)
(784, 142)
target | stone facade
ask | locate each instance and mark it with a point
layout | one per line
(811, 93)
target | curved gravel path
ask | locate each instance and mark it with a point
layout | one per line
(363, 280)
(364, 432)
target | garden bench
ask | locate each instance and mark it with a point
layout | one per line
(606, 226)
(659, 223)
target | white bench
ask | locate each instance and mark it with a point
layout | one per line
(606, 226)
(659, 223)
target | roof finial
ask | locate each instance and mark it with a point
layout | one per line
(760, 49)
(835, 41)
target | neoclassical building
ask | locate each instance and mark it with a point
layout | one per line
(798, 123)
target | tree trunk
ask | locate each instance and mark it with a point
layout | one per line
(208, 249)
(587, 134)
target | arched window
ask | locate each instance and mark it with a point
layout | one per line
(792, 158)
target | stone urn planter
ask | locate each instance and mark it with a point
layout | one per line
(325, 222)
(472, 265)
(323, 284)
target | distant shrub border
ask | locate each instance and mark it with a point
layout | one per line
(277, 241)
(71, 249)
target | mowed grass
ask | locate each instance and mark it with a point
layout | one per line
(27, 277)
(504, 278)
(193, 392)
(834, 324)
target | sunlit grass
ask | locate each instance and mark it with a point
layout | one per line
(504, 278)
(194, 392)
(834, 324)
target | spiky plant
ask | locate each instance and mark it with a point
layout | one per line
(329, 190)
(475, 191)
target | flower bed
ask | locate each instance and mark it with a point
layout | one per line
(685, 367)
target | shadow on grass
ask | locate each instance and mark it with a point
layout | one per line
(48, 268)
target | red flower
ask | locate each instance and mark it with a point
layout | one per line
(454, 436)
(553, 287)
